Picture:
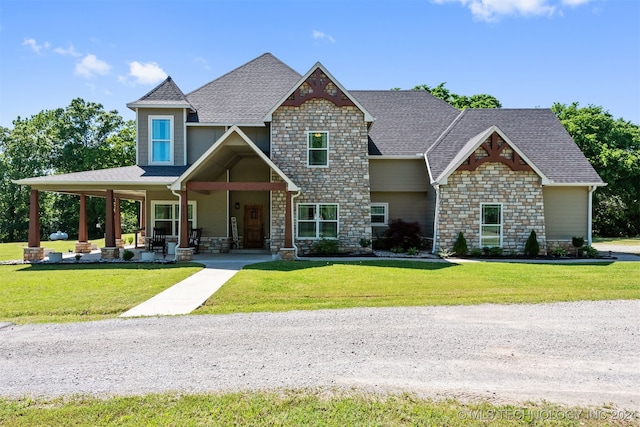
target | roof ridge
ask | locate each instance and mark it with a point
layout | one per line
(446, 131)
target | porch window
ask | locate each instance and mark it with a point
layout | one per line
(317, 221)
(379, 213)
(491, 225)
(161, 140)
(166, 214)
(317, 149)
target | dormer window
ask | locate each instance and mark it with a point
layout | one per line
(161, 140)
(318, 149)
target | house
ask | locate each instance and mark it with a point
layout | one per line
(263, 157)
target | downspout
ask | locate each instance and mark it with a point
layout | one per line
(175, 254)
(592, 188)
(435, 219)
(293, 226)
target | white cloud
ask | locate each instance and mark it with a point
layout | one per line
(90, 65)
(200, 60)
(33, 44)
(70, 51)
(145, 73)
(492, 10)
(319, 35)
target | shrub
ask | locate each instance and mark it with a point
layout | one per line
(444, 253)
(326, 247)
(397, 249)
(532, 248)
(590, 251)
(495, 251)
(365, 243)
(558, 252)
(127, 255)
(412, 251)
(476, 252)
(577, 242)
(130, 240)
(403, 234)
(460, 246)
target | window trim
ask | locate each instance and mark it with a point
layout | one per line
(500, 225)
(309, 132)
(171, 139)
(384, 205)
(317, 221)
(175, 222)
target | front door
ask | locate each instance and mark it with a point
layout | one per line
(253, 237)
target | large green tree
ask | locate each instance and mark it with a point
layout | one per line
(461, 102)
(613, 148)
(82, 136)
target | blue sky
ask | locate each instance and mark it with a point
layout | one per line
(527, 53)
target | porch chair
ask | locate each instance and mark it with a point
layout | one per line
(194, 239)
(158, 240)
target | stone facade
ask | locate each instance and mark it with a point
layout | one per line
(183, 254)
(344, 182)
(83, 247)
(519, 192)
(33, 254)
(110, 253)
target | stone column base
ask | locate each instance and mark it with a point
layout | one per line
(287, 254)
(33, 254)
(83, 247)
(110, 253)
(119, 243)
(184, 254)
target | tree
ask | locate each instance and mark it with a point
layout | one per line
(613, 148)
(461, 101)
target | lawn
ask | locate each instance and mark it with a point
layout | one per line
(310, 285)
(297, 408)
(618, 241)
(13, 251)
(32, 293)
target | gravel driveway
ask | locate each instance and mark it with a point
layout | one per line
(575, 353)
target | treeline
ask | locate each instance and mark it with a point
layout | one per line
(82, 136)
(611, 145)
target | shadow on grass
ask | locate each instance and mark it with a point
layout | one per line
(303, 265)
(34, 268)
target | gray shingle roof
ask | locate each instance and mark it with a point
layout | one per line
(536, 132)
(246, 94)
(160, 175)
(407, 122)
(166, 93)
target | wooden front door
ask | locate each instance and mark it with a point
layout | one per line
(253, 237)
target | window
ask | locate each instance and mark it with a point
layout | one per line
(318, 149)
(167, 215)
(317, 221)
(491, 225)
(161, 140)
(379, 213)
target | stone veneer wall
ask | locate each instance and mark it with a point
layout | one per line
(278, 205)
(520, 193)
(345, 181)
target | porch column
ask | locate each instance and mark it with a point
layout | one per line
(33, 252)
(117, 224)
(184, 219)
(288, 241)
(83, 245)
(109, 251)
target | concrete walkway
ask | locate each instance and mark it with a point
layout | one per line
(192, 292)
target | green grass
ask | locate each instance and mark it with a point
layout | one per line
(13, 251)
(74, 292)
(309, 285)
(296, 408)
(618, 241)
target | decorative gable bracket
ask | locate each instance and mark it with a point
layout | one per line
(495, 149)
(318, 85)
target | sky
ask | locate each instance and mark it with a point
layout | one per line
(526, 53)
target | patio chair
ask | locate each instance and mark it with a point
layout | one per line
(194, 239)
(158, 240)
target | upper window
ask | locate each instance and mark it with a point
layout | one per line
(379, 213)
(491, 225)
(161, 139)
(166, 215)
(317, 221)
(318, 149)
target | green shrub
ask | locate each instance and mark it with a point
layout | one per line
(558, 251)
(397, 249)
(590, 251)
(326, 247)
(460, 246)
(476, 252)
(130, 240)
(445, 253)
(365, 243)
(495, 251)
(127, 255)
(577, 242)
(413, 251)
(532, 248)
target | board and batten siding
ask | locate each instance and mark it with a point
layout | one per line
(199, 139)
(143, 133)
(398, 174)
(566, 212)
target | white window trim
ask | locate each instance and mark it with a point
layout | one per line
(173, 220)
(171, 141)
(317, 221)
(317, 149)
(482, 205)
(386, 213)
